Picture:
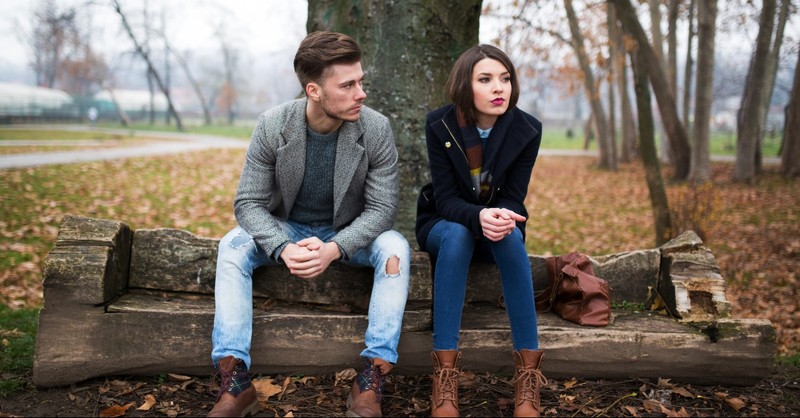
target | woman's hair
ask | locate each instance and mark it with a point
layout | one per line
(320, 50)
(459, 84)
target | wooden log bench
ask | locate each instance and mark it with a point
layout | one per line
(140, 302)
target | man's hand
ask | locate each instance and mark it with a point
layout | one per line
(498, 222)
(309, 257)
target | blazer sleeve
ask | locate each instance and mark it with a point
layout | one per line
(256, 190)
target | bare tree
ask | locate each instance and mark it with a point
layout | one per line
(409, 49)
(151, 68)
(228, 95)
(772, 59)
(687, 69)
(628, 145)
(53, 39)
(749, 118)
(605, 143)
(790, 158)
(193, 82)
(701, 156)
(655, 183)
(672, 46)
(676, 132)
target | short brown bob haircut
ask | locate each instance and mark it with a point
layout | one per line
(319, 50)
(459, 84)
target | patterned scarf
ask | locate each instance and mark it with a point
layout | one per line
(481, 177)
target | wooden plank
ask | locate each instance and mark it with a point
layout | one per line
(167, 339)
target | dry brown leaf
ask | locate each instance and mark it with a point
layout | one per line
(683, 392)
(735, 403)
(266, 388)
(570, 383)
(178, 377)
(115, 410)
(652, 406)
(631, 410)
(345, 375)
(149, 402)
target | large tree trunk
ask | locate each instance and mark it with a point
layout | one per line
(749, 126)
(628, 146)
(790, 158)
(772, 60)
(701, 157)
(592, 91)
(687, 70)
(676, 132)
(151, 68)
(409, 48)
(647, 147)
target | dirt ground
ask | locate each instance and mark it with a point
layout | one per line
(481, 395)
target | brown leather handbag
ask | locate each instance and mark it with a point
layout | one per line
(575, 293)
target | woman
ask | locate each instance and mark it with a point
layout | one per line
(481, 150)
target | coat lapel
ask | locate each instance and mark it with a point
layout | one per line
(348, 154)
(291, 157)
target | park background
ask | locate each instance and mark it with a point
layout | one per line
(222, 63)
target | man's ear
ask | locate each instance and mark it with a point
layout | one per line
(313, 91)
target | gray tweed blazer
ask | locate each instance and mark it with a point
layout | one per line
(365, 183)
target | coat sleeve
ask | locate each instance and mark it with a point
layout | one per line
(256, 191)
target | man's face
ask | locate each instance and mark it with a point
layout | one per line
(342, 92)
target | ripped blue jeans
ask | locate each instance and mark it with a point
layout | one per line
(239, 256)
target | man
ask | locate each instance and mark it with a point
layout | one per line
(319, 185)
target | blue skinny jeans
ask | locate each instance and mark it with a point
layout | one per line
(453, 248)
(239, 256)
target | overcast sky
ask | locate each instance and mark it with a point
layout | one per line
(260, 27)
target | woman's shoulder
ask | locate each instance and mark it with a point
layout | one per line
(527, 118)
(438, 114)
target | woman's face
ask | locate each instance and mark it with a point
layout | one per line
(491, 90)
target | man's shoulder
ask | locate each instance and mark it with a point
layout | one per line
(370, 116)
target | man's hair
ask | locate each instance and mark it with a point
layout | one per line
(459, 84)
(319, 51)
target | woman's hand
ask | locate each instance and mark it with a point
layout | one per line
(498, 222)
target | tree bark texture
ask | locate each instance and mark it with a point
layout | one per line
(749, 127)
(628, 143)
(772, 60)
(647, 149)
(672, 46)
(701, 156)
(604, 143)
(409, 49)
(687, 69)
(676, 132)
(790, 158)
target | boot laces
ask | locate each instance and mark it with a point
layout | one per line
(447, 382)
(234, 381)
(532, 381)
(371, 379)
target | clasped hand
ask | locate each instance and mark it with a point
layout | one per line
(310, 257)
(498, 222)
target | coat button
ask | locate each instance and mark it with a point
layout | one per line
(447, 144)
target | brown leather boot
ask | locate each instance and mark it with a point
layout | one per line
(528, 382)
(444, 401)
(237, 397)
(365, 395)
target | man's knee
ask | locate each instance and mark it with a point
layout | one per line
(393, 265)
